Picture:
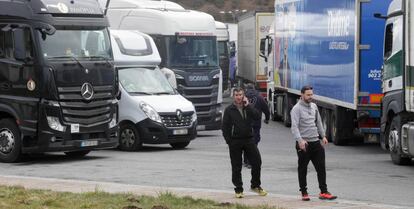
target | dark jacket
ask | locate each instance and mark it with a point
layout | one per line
(234, 127)
(260, 104)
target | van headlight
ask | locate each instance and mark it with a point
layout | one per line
(55, 124)
(150, 112)
(113, 121)
(194, 117)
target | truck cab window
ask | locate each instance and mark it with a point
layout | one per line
(388, 41)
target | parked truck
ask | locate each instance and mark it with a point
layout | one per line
(252, 27)
(223, 37)
(187, 44)
(397, 120)
(58, 85)
(333, 46)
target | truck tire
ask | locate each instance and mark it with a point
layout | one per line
(10, 142)
(129, 138)
(179, 145)
(286, 112)
(77, 154)
(334, 127)
(394, 142)
(325, 123)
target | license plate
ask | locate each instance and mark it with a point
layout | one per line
(201, 127)
(180, 132)
(89, 143)
(74, 128)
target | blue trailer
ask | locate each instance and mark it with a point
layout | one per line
(336, 47)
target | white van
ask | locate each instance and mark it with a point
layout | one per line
(151, 111)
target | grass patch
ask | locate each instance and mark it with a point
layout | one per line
(20, 198)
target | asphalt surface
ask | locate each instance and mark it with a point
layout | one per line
(356, 172)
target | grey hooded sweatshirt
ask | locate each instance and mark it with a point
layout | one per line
(306, 122)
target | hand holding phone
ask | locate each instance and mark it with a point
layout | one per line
(245, 101)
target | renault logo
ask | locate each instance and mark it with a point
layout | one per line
(179, 115)
(87, 91)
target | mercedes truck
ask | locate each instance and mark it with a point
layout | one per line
(333, 46)
(58, 85)
(187, 44)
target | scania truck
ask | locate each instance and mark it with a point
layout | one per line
(333, 46)
(397, 118)
(187, 44)
(58, 85)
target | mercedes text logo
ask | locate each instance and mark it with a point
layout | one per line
(87, 91)
(179, 115)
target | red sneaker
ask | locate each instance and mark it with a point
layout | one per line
(327, 196)
(305, 197)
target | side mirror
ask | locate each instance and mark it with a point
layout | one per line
(263, 46)
(19, 45)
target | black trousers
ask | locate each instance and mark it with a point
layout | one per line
(236, 149)
(315, 152)
(256, 137)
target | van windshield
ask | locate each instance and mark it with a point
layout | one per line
(144, 81)
(76, 44)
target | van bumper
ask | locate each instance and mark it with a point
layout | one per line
(152, 132)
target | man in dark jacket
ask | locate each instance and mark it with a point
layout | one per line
(261, 105)
(237, 131)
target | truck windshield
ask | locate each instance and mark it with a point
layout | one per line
(76, 44)
(193, 51)
(144, 81)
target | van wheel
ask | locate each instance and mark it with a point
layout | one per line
(179, 145)
(77, 154)
(10, 143)
(129, 139)
(394, 142)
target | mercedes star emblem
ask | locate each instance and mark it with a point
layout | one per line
(87, 91)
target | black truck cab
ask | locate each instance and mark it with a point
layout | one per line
(58, 84)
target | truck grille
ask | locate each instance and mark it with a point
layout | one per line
(76, 110)
(171, 120)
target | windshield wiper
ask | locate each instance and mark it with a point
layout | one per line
(163, 93)
(100, 57)
(70, 57)
(140, 92)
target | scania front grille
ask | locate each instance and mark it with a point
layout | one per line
(76, 109)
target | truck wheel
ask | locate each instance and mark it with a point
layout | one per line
(325, 122)
(286, 112)
(129, 139)
(394, 142)
(335, 126)
(179, 145)
(77, 154)
(10, 143)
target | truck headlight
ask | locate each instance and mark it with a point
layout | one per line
(55, 124)
(150, 112)
(216, 76)
(194, 117)
(113, 121)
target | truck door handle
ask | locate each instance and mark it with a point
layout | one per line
(390, 83)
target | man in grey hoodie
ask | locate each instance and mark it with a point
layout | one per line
(307, 130)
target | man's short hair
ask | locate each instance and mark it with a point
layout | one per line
(305, 88)
(237, 89)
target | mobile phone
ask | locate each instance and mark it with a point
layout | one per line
(244, 100)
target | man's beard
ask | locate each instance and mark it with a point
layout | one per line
(308, 100)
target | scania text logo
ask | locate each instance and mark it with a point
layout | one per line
(87, 91)
(179, 115)
(198, 78)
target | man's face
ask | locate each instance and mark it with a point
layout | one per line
(238, 97)
(307, 96)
